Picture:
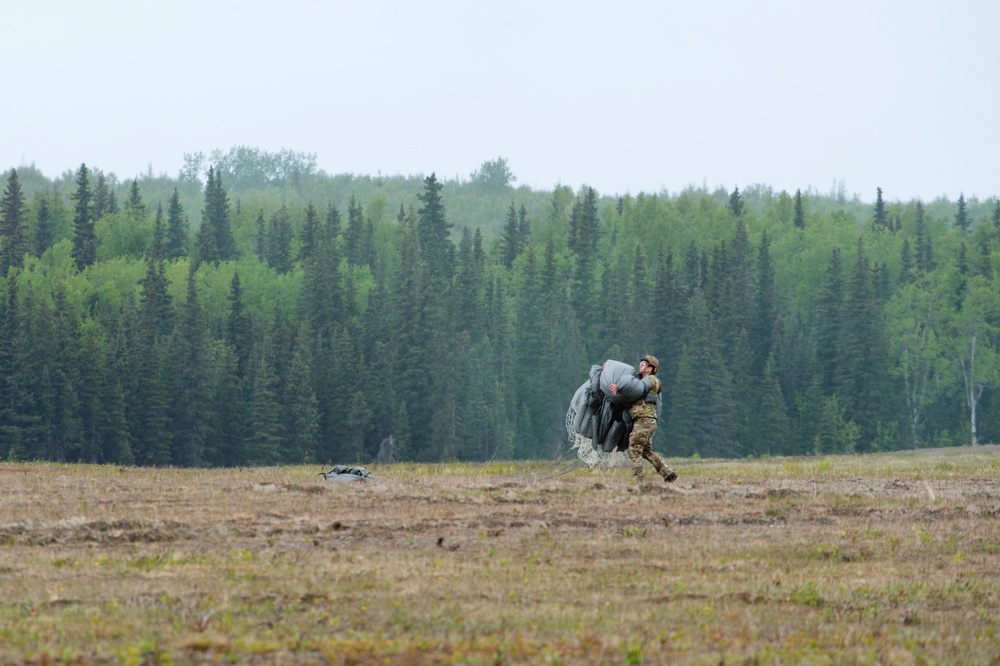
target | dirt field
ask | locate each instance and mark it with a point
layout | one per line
(880, 559)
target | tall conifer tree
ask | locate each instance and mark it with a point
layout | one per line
(44, 227)
(962, 220)
(353, 236)
(191, 391)
(828, 322)
(101, 197)
(301, 405)
(13, 239)
(84, 238)
(510, 241)
(177, 232)
(702, 417)
(433, 231)
(880, 219)
(800, 214)
(861, 353)
(18, 432)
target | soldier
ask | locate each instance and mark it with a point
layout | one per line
(640, 441)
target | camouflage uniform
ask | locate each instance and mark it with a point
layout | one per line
(640, 441)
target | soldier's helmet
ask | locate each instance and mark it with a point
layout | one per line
(652, 360)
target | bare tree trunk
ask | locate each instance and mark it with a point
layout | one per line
(971, 394)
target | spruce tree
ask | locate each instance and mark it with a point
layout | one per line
(113, 425)
(279, 242)
(702, 412)
(368, 250)
(215, 237)
(835, 433)
(924, 245)
(301, 405)
(152, 434)
(190, 391)
(13, 240)
(101, 197)
(207, 248)
(411, 349)
(829, 320)
(590, 219)
(157, 310)
(721, 299)
(615, 324)
(531, 343)
(89, 390)
(57, 378)
(861, 353)
(102, 403)
(260, 238)
(177, 232)
(769, 424)
(742, 279)
(322, 283)
(217, 207)
(135, 207)
(905, 263)
(669, 310)
(355, 230)
(765, 316)
(510, 241)
(468, 289)
(267, 432)
(237, 332)
(962, 220)
(433, 230)
(984, 264)
(800, 215)
(584, 290)
(84, 238)
(18, 431)
(44, 227)
(736, 204)
(640, 307)
(231, 424)
(309, 237)
(880, 221)
(523, 226)
(694, 273)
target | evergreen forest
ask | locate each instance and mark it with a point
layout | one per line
(255, 310)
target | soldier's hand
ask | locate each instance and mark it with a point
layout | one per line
(614, 389)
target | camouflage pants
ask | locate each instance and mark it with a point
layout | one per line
(640, 445)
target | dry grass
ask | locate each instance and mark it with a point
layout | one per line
(880, 559)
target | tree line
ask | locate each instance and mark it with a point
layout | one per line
(415, 319)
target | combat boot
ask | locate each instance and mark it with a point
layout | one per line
(669, 476)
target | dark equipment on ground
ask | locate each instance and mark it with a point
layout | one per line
(347, 473)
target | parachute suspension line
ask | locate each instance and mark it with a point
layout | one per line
(593, 457)
(596, 458)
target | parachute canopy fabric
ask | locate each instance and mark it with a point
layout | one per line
(346, 473)
(630, 386)
(597, 421)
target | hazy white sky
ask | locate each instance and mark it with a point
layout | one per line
(625, 96)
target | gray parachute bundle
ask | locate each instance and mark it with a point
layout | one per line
(347, 473)
(598, 421)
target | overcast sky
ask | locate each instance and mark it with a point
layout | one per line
(625, 96)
